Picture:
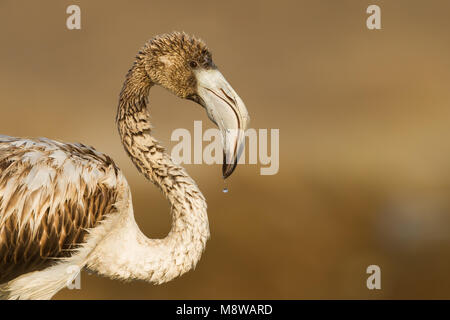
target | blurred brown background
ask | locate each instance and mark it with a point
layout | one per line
(364, 136)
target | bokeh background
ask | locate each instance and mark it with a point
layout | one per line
(364, 136)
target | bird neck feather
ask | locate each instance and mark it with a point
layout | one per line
(184, 244)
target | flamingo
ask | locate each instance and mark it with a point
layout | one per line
(65, 205)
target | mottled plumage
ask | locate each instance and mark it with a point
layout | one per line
(50, 194)
(66, 205)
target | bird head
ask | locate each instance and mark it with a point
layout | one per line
(183, 65)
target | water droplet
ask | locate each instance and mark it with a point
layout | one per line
(225, 187)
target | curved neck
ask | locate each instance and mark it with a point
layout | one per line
(161, 260)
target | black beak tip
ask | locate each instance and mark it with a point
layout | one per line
(228, 168)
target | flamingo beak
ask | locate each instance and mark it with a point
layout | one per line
(227, 110)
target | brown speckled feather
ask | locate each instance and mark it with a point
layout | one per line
(50, 194)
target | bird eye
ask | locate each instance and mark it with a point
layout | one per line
(193, 64)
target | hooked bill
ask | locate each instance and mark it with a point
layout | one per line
(227, 110)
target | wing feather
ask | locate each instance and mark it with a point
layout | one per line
(51, 193)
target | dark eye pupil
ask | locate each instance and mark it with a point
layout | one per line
(193, 64)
